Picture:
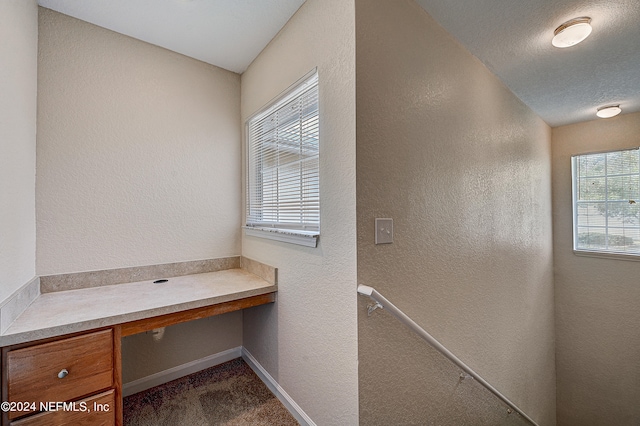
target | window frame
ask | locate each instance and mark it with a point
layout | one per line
(597, 252)
(305, 234)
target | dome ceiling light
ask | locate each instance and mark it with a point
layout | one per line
(608, 111)
(572, 32)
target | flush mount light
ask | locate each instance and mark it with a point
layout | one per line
(608, 111)
(572, 32)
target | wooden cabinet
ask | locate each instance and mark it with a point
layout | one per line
(85, 368)
(81, 371)
(93, 411)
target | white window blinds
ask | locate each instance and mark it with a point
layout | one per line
(283, 188)
(606, 195)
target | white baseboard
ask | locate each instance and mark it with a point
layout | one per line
(211, 361)
(180, 371)
(277, 390)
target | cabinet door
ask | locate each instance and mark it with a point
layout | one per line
(60, 371)
(100, 411)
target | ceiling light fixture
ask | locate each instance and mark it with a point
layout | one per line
(572, 32)
(608, 111)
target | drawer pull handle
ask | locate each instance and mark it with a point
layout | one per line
(63, 373)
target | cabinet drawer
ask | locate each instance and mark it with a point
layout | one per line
(32, 372)
(101, 412)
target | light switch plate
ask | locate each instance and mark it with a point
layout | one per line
(384, 231)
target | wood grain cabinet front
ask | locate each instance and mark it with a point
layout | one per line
(59, 371)
(93, 411)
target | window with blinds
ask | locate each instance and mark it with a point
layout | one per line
(606, 202)
(283, 188)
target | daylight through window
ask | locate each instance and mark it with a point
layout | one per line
(606, 202)
(283, 191)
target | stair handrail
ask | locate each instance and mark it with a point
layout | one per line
(383, 303)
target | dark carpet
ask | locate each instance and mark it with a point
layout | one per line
(227, 394)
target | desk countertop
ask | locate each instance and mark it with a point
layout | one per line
(64, 312)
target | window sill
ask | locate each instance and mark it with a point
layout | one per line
(302, 238)
(605, 255)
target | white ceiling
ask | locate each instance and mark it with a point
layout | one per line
(511, 37)
(225, 33)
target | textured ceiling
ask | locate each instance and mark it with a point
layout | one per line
(225, 33)
(513, 39)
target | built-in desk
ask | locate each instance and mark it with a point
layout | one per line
(66, 345)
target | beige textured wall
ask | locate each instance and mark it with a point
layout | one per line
(139, 152)
(597, 299)
(143, 356)
(308, 339)
(18, 78)
(139, 162)
(464, 168)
